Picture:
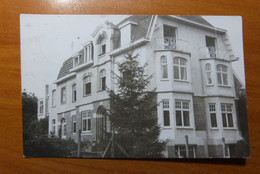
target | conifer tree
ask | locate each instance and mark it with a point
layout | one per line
(133, 112)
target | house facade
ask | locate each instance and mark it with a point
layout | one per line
(191, 64)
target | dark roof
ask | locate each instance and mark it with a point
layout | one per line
(66, 67)
(139, 31)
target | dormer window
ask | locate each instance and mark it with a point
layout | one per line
(88, 52)
(77, 60)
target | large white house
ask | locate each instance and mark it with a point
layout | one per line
(191, 64)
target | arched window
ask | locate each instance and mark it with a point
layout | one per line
(103, 80)
(180, 68)
(102, 45)
(164, 67)
(74, 93)
(222, 74)
(208, 74)
(87, 85)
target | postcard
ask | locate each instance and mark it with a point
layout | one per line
(133, 86)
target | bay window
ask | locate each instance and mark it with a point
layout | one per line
(180, 68)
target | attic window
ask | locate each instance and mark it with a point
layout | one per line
(102, 46)
(77, 60)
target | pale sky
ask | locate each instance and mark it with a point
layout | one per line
(48, 40)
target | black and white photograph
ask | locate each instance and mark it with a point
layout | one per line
(133, 86)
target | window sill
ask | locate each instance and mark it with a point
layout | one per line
(167, 127)
(165, 80)
(184, 81)
(210, 85)
(53, 106)
(185, 128)
(101, 55)
(229, 128)
(214, 128)
(86, 95)
(86, 132)
(101, 90)
(225, 86)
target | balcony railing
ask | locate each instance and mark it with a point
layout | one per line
(212, 52)
(171, 43)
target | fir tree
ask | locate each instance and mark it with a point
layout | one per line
(133, 112)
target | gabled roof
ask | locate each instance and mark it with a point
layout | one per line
(139, 32)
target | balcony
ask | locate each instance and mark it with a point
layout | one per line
(212, 52)
(171, 43)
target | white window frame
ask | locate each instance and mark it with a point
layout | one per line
(41, 107)
(208, 70)
(177, 63)
(102, 43)
(63, 95)
(166, 107)
(53, 98)
(226, 111)
(178, 150)
(182, 109)
(164, 65)
(74, 124)
(220, 72)
(87, 80)
(74, 93)
(86, 116)
(212, 110)
(102, 75)
(53, 126)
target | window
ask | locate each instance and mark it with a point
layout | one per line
(213, 116)
(76, 61)
(164, 67)
(74, 125)
(102, 80)
(102, 45)
(166, 113)
(208, 74)
(88, 52)
(53, 98)
(211, 45)
(222, 74)
(180, 68)
(182, 112)
(63, 95)
(53, 126)
(74, 93)
(64, 128)
(169, 34)
(86, 121)
(41, 107)
(227, 115)
(87, 85)
(180, 151)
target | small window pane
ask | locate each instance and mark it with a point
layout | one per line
(103, 83)
(183, 73)
(165, 103)
(88, 88)
(84, 125)
(178, 118)
(225, 80)
(212, 107)
(186, 118)
(219, 78)
(230, 120)
(176, 61)
(176, 72)
(89, 124)
(178, 104)
(224, 120)
(166, 118)
(74, 127)
(182, 61)
(213, 119)
(164, 71)
(185, 105)
(209, 79)
(223, 107)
